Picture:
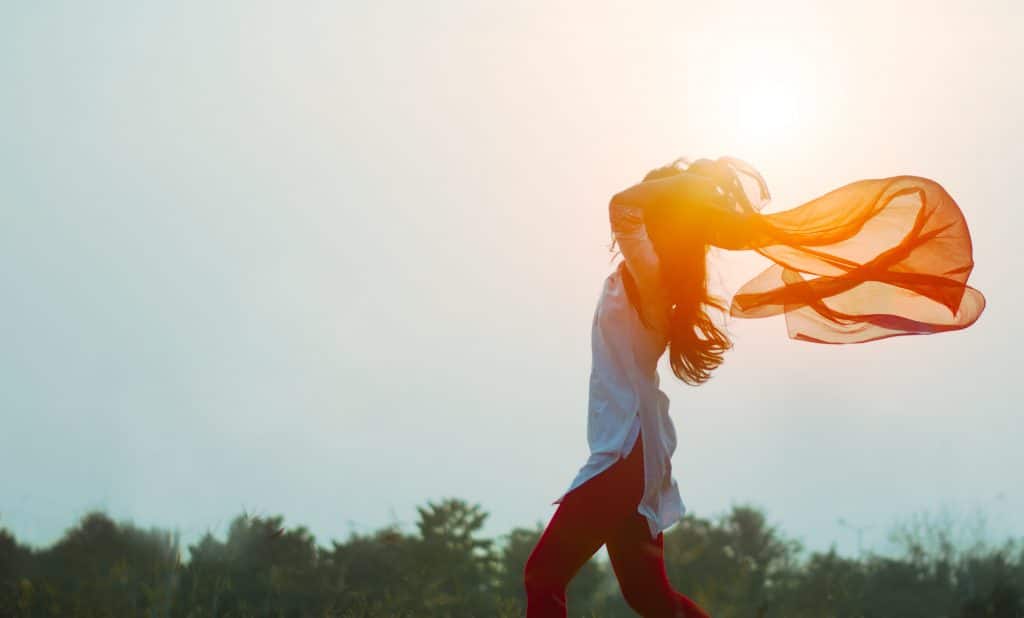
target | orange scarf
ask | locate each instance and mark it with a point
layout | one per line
(872, 259)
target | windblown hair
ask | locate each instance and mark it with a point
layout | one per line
(696, 345)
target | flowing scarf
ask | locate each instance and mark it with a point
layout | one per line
(872, 259)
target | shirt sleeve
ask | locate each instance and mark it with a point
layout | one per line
(638, 252)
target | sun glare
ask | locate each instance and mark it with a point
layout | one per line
(770, 115)
(767, 97)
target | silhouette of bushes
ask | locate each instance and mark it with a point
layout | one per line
(735, 565)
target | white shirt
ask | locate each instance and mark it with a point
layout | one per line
(624, 394)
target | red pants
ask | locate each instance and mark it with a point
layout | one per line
(602, 511)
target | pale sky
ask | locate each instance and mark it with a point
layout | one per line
(332, 260)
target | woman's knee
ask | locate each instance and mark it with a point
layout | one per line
(653, 603)
(639, 603)
(544, 580)
(535, 577)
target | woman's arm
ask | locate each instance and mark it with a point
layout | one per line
(693, 201)
(682, 192)
(630, 233)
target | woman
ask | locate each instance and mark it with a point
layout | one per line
(883, 258)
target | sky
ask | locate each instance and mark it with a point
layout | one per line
(335, 260)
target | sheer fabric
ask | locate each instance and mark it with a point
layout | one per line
(873, 259)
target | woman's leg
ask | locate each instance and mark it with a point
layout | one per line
(582, 523)
(639, 564)
(569, 540)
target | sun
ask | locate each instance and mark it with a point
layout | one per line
(767, 96)
(771, 115)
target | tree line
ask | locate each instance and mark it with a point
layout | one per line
(736, 565)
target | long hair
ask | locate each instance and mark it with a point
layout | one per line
(696, 345)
